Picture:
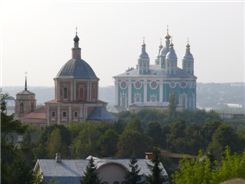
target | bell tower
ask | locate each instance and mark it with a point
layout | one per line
(25, 102)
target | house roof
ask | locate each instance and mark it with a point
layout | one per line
(71, 171)
(156, 71)
(39, 113)
(117, 109)
(101, 114)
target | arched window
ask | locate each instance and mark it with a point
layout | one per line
(183, 102)
(75, 114)
(21, 107)
(64, 114)
(53, 114)
(65, 92)
(123, 101)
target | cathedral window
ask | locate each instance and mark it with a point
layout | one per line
(137, 97)
(123, 85)
(64, 114)
(137, 85)
(183, 102)
(75, 114)
(65, 93)
(32, 106)
(124, 101)
(172, 84)
(183, 84)
(153, 84)
(53, 114)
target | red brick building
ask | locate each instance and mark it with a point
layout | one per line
(76, 97)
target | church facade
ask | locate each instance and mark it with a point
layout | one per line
(151, 85)
(76, 97)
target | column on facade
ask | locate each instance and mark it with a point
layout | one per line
(129, 92)
(58, 115)
(145, 90)
(70, 114)
(161, 91)
(58, 90)
(116, 92)
(47, 116)
(81, 113)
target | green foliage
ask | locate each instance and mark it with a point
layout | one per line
(108, 143)
(196, 171)
(86, 143)
(44, 141)
(90, 175)
(132, 176)
(133, 140)
(156, 176)
(154, 131)
(55, 144)
(20, 171)
(172, 106)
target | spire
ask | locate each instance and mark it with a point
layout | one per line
(160, 46)
(76, 39)
(188, 45)
(25, 81)
(143, 45)
(167, 37)
(76, 51)
(171, 43)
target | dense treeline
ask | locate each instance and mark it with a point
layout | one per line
(184, 132)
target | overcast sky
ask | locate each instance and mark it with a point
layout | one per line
(37, 37)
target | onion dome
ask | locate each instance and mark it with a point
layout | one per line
(160, 48)
(171, 54)
(188, 54)
(143, 54)
(76, 39)
(165, 49)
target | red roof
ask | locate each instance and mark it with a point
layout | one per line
(39, 113)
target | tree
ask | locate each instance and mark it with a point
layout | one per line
(173, 103)
(21, 171)
(154, 130)
(156, 176)
(90, 175)
(108, 143)
(200, 171)
(55, 144)
(132, 176)
(132, 141)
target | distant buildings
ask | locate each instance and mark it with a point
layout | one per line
(149, 84)
(76, 97)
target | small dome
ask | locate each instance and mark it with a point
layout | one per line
(188, 54)
(77, 69)
(143, 55)
(76, 39)
(164, 51)
(171, 54)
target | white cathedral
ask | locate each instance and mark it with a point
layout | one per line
(151, 84)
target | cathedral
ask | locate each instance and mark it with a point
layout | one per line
(150, 85)
(76, 97)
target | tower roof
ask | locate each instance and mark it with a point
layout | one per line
(188, 54)
(143, 54)
(76, 67)
(171, 54)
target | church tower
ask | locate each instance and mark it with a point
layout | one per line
(143, 61)
(188, 61)
(25, 102)
(159, 53)
(164, 51)
(171, 60)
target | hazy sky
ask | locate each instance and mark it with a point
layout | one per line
(37, 37)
